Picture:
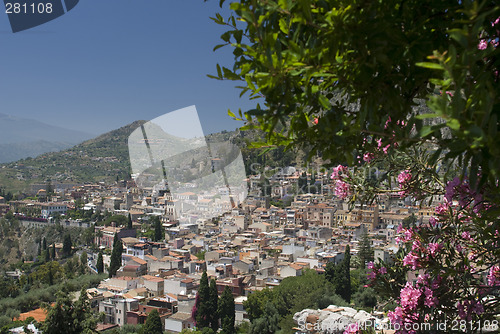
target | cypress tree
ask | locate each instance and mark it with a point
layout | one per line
(213, 304)
(116, 256)
(100, 263)
(53, 252)
(203, 309)
(158, 230)
(365, 250)
(44, 244)
(227, 312)
(345, 285)
(46, 255)
(67, 245)
(129, 222)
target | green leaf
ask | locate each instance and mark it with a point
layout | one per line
(283, 26)
(433, 66)
(219, 71)
(424, 116)
(325, 103)
(459, 36)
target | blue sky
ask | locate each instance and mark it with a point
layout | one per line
(108, 63)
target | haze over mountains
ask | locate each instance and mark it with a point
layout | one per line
(21, 138)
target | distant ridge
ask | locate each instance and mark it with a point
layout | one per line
(21, 138)
(104, 158)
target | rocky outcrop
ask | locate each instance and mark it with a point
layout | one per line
(332, 320)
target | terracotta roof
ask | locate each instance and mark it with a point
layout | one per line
(138, 260)
(181, 316)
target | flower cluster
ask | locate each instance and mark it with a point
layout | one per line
(467, 308)
(342, 188)
(372, 274)
(413, 299)
(494, 276)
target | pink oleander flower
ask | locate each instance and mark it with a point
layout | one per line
(494, 276)
(367, 157)
(432, 221)
(411, 260)
(382, 270)
(370, 265)
(396, 317)
(387, 122)
(399, 229)
(436, 282)
(404, 177)
(372, 275)
(379, 142)
(408, 234)
(409, 296)
(423, 279)
(385, 149)
(483, 44)
(434, 248)
(466, 236)
(352, 328)
(430, 300)
(495, 22)
(315, 121)
(450, 188)
(442, 209)
(339, 172)
(342, 189)
(416, 245)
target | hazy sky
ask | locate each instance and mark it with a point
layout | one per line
(107, 63)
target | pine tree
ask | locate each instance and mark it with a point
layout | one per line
(116, 256)
(365, 250)
(213, 303)
(100, 264)
(227, 312)
(70, 317)
(153, 323)
(203, 309)
(268, 323)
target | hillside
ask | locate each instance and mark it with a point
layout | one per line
(106, 158)
(103, 158)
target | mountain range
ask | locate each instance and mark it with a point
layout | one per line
(106, 159)
(21, 138)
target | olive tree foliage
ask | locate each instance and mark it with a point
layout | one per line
(349, 76)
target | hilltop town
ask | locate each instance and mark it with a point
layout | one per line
(291, 222)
